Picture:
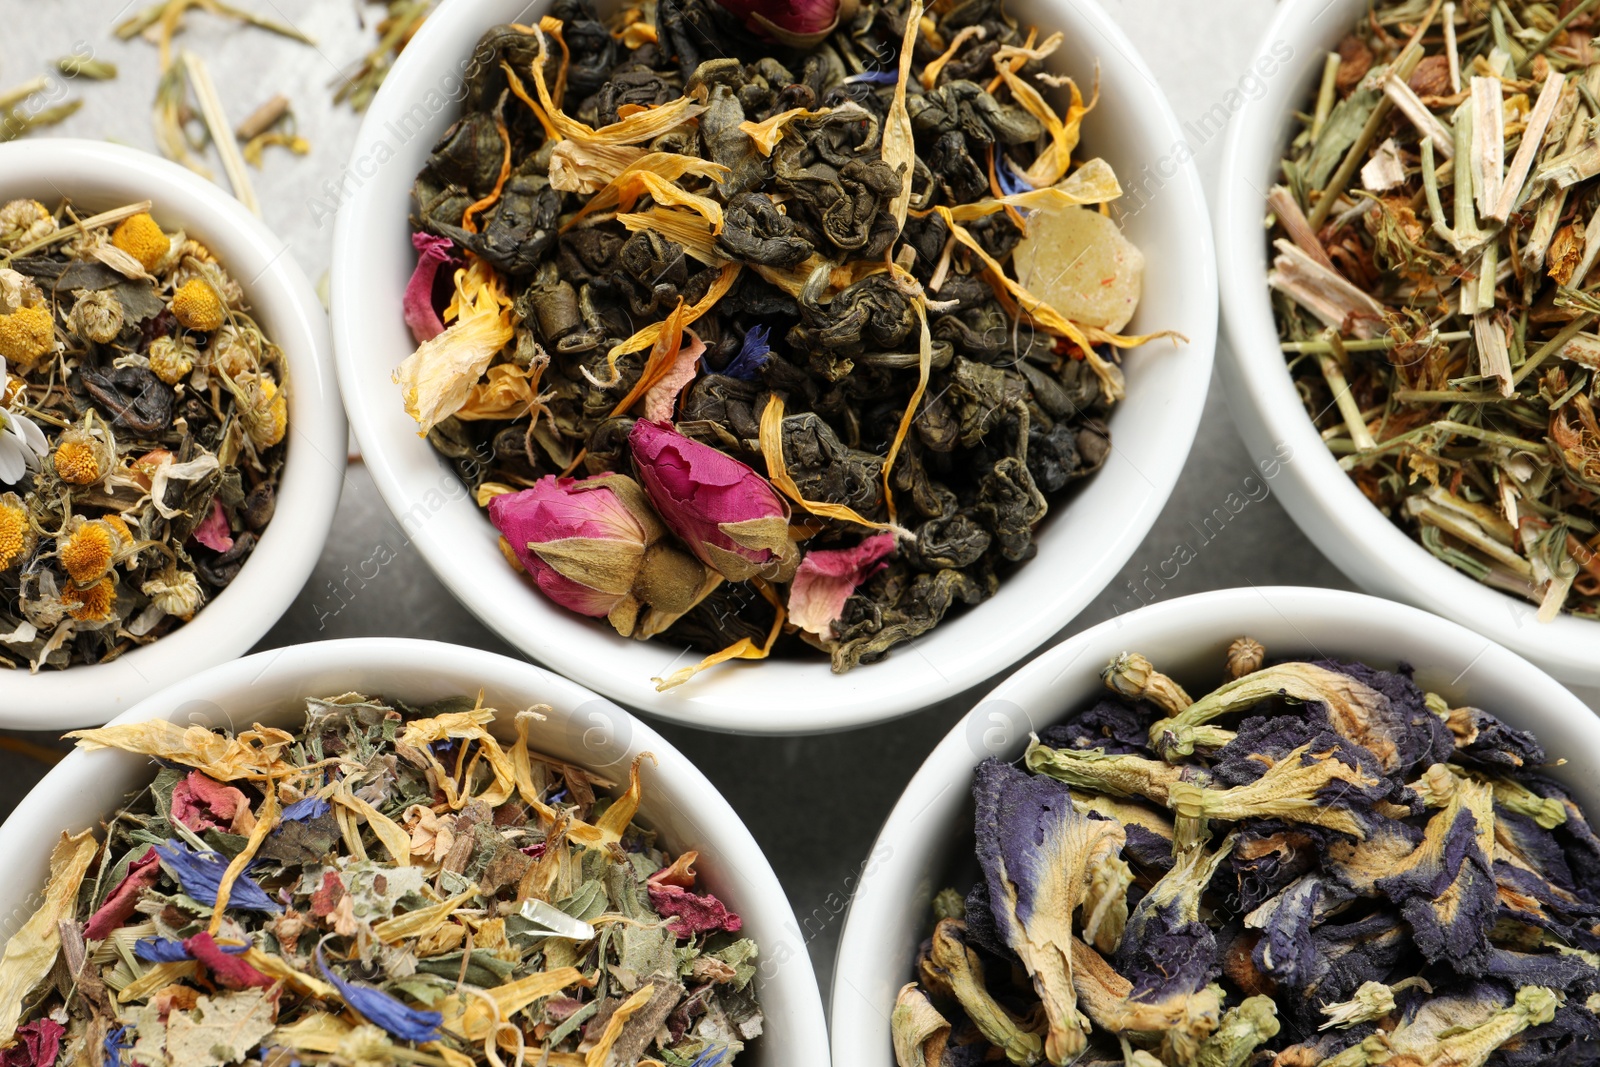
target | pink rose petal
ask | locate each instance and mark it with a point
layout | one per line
(229, 971)
(118, 908)
(432, 253)
(37, 1044)
(214, 531)
(826, 578)
(661, 398)
(692, 913)
(203, 804)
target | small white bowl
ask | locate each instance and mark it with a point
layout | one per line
(1085, 542)
(1375, 553)
(581, 728)
(99, 176)
(929, 832)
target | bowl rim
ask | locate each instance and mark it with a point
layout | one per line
(784, 700)
(791, 998)
(313, 472)
(1034, 697)
(1324, 502)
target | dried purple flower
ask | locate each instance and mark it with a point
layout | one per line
(382, 1010)
(200, 875)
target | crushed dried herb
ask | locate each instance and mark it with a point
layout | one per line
(143, 418)
(1315, 865)
(710, 299)
(1435, 231)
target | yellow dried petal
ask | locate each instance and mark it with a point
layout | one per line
(26, 336)
(197, 305)
(437, 378)
(254, 755)
(654, 174)
(16, 536)
(768, 133)
(141, 237)
(31, 952)
(470, 1017)
(899, 147)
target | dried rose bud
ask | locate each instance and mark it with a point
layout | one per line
(796, 23)
(595, 547)
(729, 515)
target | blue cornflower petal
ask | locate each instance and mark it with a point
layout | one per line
(382, 1010)
(753, 354)
(1009, 178)
(200, 875)
(875, 77)
(711, 1057)
(166, 950)
(302, 810)
(117, 1041)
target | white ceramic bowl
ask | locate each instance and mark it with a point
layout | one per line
(99, 176)
(929, 832)
(1080, 551)
(1376, 554)
(582, 728)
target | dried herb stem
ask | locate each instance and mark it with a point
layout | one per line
(1375, 344)
(1325, 94)
(205, 93)
(1331, 364)
(1404, 64)
(93, 222)
(17, 94)
(1566, 20)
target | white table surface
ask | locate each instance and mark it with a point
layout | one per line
(815, 803)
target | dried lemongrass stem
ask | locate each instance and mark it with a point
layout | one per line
(205, 94)
(1450, 47)
(1325, 94)
(1532, 135)
(1281, 202)
(1404, 64)
(1324, 293)
(1555, 31)
(1411, 106)
(1494, 360)
(1376, 344)
(1332, 365)
(18, 93)
(1488, 143)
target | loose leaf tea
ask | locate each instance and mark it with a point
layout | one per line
(143, 417)
(1433, 238)
(758, 324)
(385, 885)
(1315, 865)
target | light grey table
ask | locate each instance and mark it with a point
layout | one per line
(814, 803)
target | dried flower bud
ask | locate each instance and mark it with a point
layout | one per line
(595, 547)
(175, 592)
(233, 352)
(265, 412)
(23, 222)
(796, 23)
(27, 335)
(16, 535)
(17, 290)
(197, 306)
(728, 515)
(1133, 676)
(81, 458)
(172, 358)
(87, 549)
(1245, 656)
(94, 604)
(142, 238)
(97, 316)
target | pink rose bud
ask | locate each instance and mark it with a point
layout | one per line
(726, 513)
(796, 23)
(595, 547)
(826, 578)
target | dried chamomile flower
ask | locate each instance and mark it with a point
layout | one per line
(83, 456)
(197, 306)
(264, 411)
(175, 592)
(172, 358)
(88, 548)
(97, 315)
(27, 336)
(22, 222)
(143, 239)
(16, 533)
(96, 603)
(234, 351)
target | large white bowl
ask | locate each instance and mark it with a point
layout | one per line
(1375, 553)
(929, 833)
(269, 687)
(1080, 551)
(97, 177)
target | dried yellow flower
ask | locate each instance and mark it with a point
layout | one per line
(171, 359)
(26, 336)
(16, 536)
(88, 551)
(23, 222)
(97, 316)
(175, 592)
(77, 458)
(266, 419)
(197, 305)
(93, 604)
(142, 239)
(119, 524)
(233, 352)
